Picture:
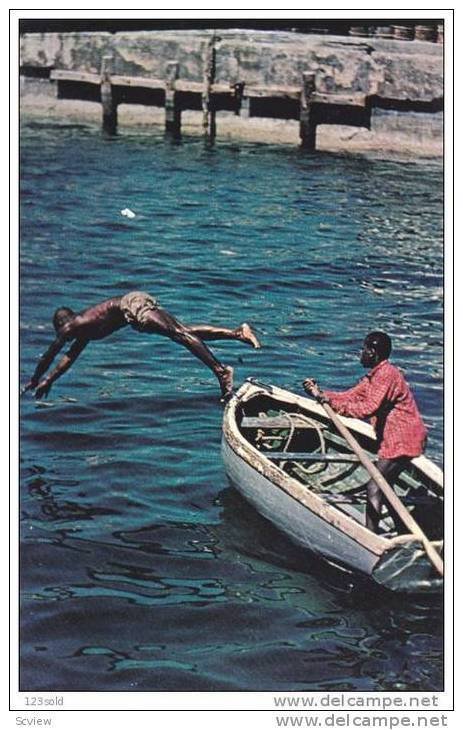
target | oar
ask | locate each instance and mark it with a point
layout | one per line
(387, 490)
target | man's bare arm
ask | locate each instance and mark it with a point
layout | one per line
(44, 363)
(64, 364)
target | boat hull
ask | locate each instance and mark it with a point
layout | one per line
(303, 527)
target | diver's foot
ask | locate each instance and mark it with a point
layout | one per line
(246, 334)
(226, 382)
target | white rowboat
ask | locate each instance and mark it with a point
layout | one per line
(284, 455)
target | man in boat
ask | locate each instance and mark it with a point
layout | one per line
(384, 397)
(144, 314)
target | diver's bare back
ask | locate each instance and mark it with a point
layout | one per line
(97, 322)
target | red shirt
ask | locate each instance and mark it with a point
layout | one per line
(384, 397)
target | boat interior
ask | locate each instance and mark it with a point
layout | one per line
(307, 447)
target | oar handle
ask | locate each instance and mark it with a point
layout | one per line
(387, 490)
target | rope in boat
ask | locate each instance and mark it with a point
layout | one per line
(313, 468)
(292, 428)
(292, 425)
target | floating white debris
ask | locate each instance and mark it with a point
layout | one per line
(128, 213)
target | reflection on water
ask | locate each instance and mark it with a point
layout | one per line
(140, 568)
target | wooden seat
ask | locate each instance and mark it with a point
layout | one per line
(310, 456)
(274, 422)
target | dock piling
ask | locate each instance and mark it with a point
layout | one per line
(238, 90)
(209, 122)
(307, 124)
(108, 102)
(172, 109)
(245, 109)
(175, 94)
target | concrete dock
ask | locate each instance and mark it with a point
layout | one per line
(308, 79)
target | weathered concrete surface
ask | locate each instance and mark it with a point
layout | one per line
(411, 70)
(390, 70)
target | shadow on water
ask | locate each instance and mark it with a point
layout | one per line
(391, 624)
(331, 630)
(245, 531)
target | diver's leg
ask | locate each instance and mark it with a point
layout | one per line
(159, 321)
(243, 333)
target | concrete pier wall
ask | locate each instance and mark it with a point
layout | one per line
(403, 78)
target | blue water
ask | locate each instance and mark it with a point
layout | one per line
(141, 569)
